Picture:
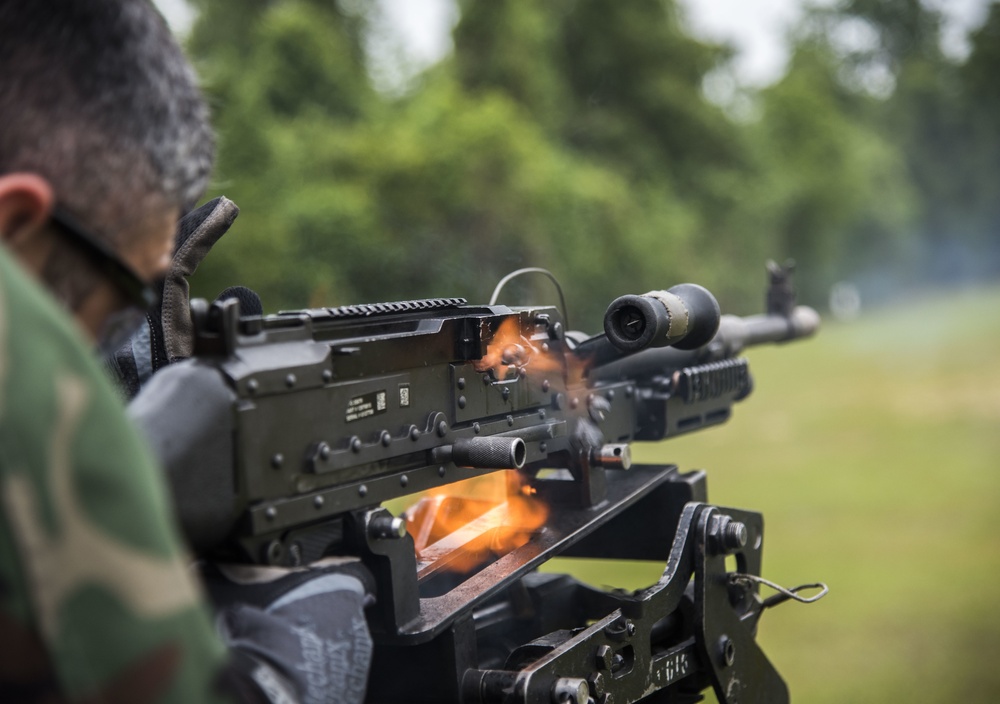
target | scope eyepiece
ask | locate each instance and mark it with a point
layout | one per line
(685, 316)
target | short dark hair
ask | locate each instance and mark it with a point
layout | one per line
(97, 97)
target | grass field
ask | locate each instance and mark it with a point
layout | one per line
(873, 452)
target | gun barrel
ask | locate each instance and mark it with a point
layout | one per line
(736, 333)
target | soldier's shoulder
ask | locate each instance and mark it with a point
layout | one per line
(89, 554)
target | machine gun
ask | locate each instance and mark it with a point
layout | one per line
(311, 420)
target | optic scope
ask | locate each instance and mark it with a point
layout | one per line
(685, 316)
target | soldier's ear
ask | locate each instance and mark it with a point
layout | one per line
(26, 202)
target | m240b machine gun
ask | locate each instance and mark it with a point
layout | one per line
(309, 421)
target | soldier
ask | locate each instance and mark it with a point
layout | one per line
(104, 142)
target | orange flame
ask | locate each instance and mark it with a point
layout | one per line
(460, 526)
(510, 350)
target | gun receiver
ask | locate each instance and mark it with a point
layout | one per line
(309, 420)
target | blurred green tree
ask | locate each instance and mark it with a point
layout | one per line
(841, 191)
(576, 135)
(982, 90)
(620, 85)
(348, 195)
(929, 119)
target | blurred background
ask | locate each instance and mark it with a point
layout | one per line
(416, 148)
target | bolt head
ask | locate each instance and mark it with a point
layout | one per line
(727, 651)
(604, 657)
(387, 526)
(727, 536)
(596, 682)
(620, 629)
(736, 536)
(571, 690)
(398, 527)
(274, 552)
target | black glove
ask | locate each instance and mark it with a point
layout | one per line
(168, 335)
(300, 634)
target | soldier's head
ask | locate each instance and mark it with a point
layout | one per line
(104, 138)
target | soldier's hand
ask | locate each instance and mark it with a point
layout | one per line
(168, 335)
(301, 631)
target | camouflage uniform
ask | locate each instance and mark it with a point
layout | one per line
(96, 603)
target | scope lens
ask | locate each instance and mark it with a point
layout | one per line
(630, 322)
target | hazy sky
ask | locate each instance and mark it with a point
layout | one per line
(755, 27)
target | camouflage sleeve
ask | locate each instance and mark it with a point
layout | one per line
(96, 603)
